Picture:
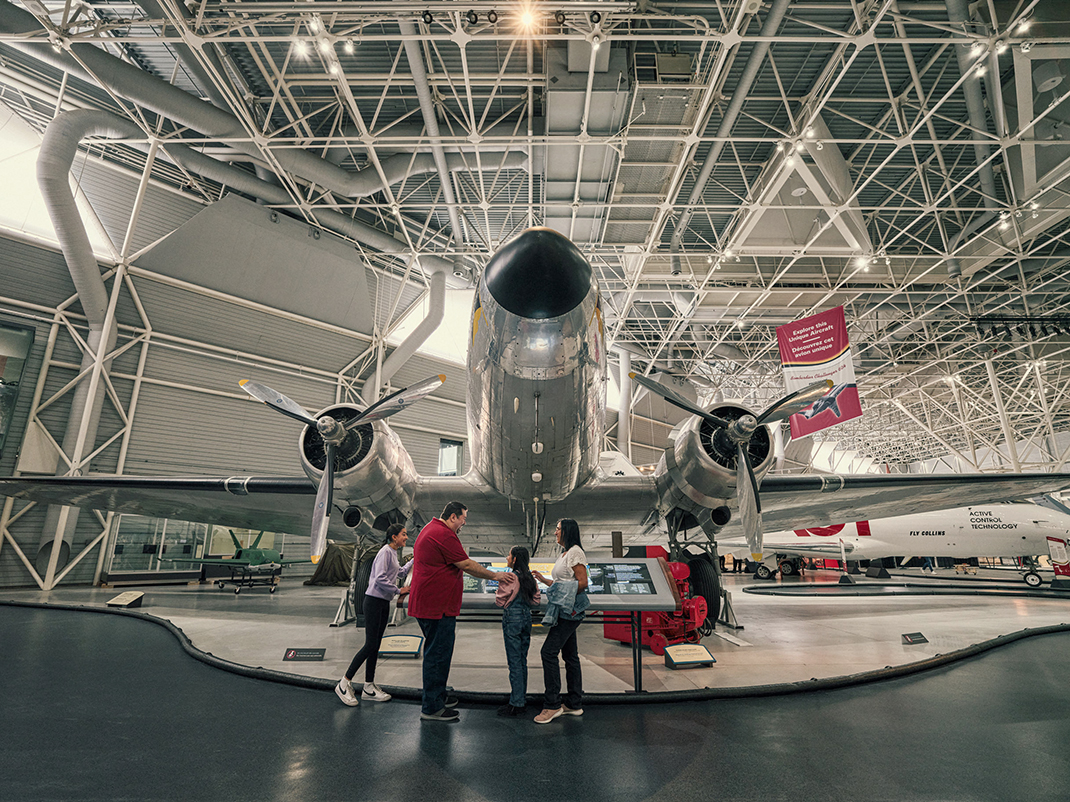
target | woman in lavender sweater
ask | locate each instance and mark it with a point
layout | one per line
(382, 588)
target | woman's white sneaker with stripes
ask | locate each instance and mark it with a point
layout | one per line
(373, 693)
(344, 691)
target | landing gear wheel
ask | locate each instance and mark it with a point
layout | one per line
(272, 588)
(787, 568)
(1033, 579)
(658, 644)
(219, 585)
(763, 571)
(705, 583)
(237, 591)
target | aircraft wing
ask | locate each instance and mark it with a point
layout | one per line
(268, 503)
(791, 501)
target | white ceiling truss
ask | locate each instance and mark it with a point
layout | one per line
(726, 166)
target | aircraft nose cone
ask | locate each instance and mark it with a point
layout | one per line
(539, 275)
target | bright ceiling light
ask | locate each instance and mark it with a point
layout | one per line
(301, 47)
(1001, 47)
(1023, 25)
(349, 47)
(799, 146)
(526, 19)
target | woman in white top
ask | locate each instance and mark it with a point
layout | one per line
(561, 639)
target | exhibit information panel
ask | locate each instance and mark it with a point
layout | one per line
(627, 584)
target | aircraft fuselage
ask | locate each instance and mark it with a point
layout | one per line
(536, 370)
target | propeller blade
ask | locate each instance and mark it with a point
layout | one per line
(276, 400)
(399, 400)
(795, 402)
(321, 515)
(750, 505)
(676, 399)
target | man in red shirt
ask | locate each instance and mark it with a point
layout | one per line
(435, 602)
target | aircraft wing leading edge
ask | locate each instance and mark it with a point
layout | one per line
(792, 501)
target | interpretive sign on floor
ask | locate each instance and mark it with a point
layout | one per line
(910, 638)
(401, 646)
(131, 598)
(688, 655)
(304, 654)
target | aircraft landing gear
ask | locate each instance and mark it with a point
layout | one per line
(1033, 579)
(763, 571)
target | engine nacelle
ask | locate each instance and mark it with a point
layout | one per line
(373, 473)
(697, 475)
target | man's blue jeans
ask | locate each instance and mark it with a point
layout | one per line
(439, 634)
(516, 629)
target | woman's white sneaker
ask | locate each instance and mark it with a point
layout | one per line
(373, 693)
(344, 691)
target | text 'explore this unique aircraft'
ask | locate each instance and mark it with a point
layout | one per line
(536, 386)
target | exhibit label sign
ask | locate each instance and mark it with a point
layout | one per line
(813, 349)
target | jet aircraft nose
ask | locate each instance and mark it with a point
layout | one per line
(538, 275)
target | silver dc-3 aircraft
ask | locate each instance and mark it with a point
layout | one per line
(993, 530)
(536, 371)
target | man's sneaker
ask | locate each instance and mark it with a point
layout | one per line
(508, 711)
(441, 715)
(452, 702)
(373, 693)
(344, 690)
(546, 716)
(570, 711)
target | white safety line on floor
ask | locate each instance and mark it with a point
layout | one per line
(731, 638)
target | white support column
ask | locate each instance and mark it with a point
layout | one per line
(624, 409)
(1004, 422)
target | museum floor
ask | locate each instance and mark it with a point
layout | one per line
(109, 707)
(783, 639)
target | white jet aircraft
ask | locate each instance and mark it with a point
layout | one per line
(993, 530)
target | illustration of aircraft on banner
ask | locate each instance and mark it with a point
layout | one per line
(249, 565)
(993, 530)
(536, 398)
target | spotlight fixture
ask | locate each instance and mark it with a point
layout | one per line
(1025, 47)
(349, 47)
(473, 17)
(559, 17)
(427, 18)
(527, 19)
(790, 161)
(709, 259)
(779, 147)
(1023, 24)
(596, 17)
(301, 46)
(810, 133)
(799, 146)
(981, 69)
(820, 145)
(492, 17)
(1001, 47)
(976, 48)
(596, 41)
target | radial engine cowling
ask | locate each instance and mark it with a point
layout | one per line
(698, 472)
(373, 473)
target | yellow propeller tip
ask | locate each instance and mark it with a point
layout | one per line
(315, 559)
(756, 557)
(631, 374)
(828, 383)
(442, 377)
(243, 382)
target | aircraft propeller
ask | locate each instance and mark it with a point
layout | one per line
(740, 432)
(333, 434)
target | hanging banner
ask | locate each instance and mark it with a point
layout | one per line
(814, 349)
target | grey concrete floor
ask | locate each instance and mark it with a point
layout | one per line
(782, 640)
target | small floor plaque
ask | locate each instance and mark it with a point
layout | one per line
(304, 654)
(132, 598)
(401, 646)
(688, 655)
(910, 638)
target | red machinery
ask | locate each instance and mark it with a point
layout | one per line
(660, 629)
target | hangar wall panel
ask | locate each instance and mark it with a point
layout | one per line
(201, 318)
(112, 192)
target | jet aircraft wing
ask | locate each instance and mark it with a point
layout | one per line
(821, 500)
